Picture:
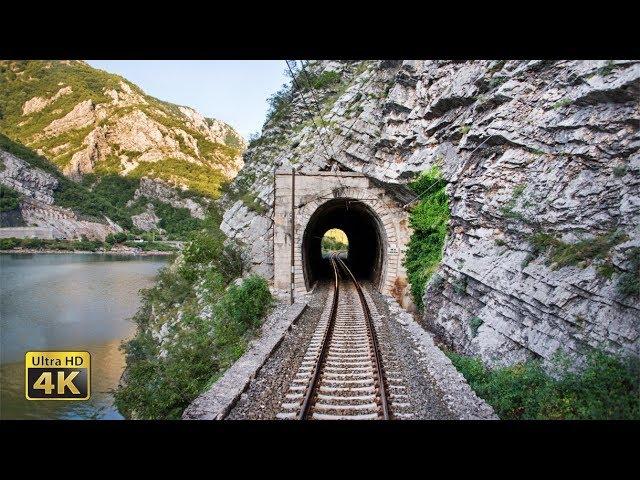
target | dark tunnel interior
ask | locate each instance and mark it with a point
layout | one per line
(364, 231)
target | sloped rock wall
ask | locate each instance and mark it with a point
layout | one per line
(527, 147)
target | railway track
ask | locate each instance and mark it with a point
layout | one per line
(342, 375)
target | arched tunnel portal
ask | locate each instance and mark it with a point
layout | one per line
(364, 230)
(369, 212)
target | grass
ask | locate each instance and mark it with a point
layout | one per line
(562, 103)
(607, 388)
(507, 209)
(582, 253)
(252, 202)
(428, 219)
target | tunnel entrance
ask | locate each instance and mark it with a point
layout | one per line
(366, 240)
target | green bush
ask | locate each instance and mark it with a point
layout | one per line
(177, 221)
(199, 352)
(9, 243)
(607, 388)
(118, 237)
(9, 199)
(429, 220)
(317, 81)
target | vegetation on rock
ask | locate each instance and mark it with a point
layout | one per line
(428, 219)
(110, 195)
(193, 324)
(607, 388)
(9, 199)
(38, 95)
(82, 245)
(562, 254)
(629, 282)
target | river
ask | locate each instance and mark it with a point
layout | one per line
(68, 302)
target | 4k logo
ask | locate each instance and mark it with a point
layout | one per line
(58, 375)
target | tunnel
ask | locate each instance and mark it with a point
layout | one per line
(365, 234)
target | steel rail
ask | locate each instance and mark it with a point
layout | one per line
(315, 378)
(377, 357)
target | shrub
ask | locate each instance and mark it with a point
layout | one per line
(460, 285)
(607, 388)
(9, 243)
(428, 219)
(252, 202)
(309, 80)
(199, 353)
(9, 199)
(177, 221)
(562, 103)
(118, 237)
(620, 170)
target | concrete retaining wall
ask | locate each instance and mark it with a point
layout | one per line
(27, 232)
(216, 403)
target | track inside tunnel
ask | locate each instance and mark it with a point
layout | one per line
(365, 233)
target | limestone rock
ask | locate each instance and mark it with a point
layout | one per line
(31, 182)
(36, 205)
(153, 188)
(565, 134)
(147, 220)
(37, 104)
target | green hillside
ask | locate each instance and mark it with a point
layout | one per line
(117, 130)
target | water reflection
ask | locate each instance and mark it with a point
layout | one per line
(68, 301)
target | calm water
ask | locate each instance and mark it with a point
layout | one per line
(68, 302)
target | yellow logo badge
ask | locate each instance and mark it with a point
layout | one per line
(58, 375)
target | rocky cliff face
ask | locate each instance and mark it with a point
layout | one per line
(37, 207)
(88, 121)
(542, 160)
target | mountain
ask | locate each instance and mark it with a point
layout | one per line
(86, 120)
(88, 153)
(539, 162)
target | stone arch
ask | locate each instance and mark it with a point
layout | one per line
(314, 190)
(368, 239)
